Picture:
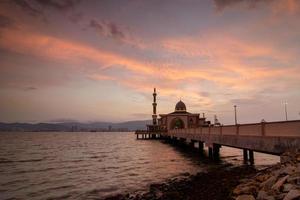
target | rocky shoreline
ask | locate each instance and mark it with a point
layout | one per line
(279, 182)
(226, 182)
(216, 184)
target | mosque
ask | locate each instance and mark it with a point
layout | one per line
(178, 119)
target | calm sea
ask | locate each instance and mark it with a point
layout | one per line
(86, 165)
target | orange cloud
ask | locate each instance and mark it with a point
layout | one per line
(54, 48)
(227, 55)
(289, 6)
(225, 67)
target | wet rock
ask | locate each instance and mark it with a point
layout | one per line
(171, 195)
(288, 170)
(294, 180)
(116, 197)
(280, 183)
(262, 178)
(246, 190)
(245, 197)
(185, 174)
(268, 183)
(292, 195)
(287, 187)
(261, 195)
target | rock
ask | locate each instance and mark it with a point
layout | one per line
(262, 178)
(245, 197)
(280, 196)
(292, 195)
(285, 159)
(279, 183)
(288, 170)
(262, 195)
(158, 194)
(186, 174)
(294, 180)
(244, 180)
(268, 183)
(171, 195)
(244, 189)
(269, 198)
(298, 158)
(287, 187)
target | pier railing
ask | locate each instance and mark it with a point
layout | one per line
(264, 129)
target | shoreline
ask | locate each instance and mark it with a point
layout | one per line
(279, 182)
(217, 183)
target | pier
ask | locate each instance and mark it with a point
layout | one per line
(145, 134)
(266, 137)
(184, 128)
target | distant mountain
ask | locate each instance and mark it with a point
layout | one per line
(76, 126)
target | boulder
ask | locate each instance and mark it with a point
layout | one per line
(288, 170)
(266, 185)
(280, 183)
(294, 180)
(244, 189)
(292, 195)
(262, 195)
(287, 187)
(245, 197)
(262, 178)
(280, 196)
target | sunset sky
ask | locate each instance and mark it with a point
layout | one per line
(64, 60)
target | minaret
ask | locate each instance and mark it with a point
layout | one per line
(154, 104)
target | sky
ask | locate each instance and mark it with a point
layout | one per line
(75, 60)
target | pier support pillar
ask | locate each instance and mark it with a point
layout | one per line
(248, 156)
(216, 151)
(192, 144)
(210, 152)
(182, 142)
(201, 147)
(251, 157)
(174, 141)
(245, 155)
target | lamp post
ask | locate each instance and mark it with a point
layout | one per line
(285, 109)
(235, 119)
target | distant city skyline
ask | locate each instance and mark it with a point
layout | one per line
(73, 60)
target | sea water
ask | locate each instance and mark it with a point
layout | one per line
(93, 165)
